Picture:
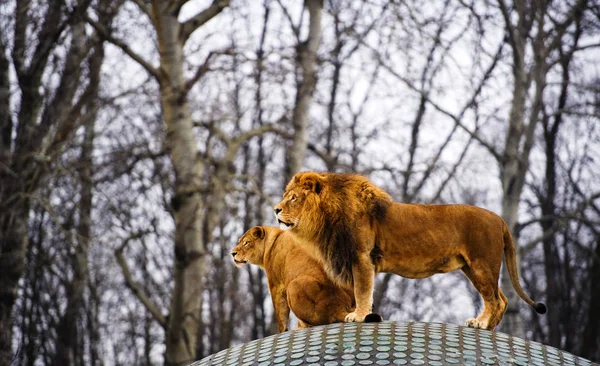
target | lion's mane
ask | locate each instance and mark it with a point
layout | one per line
(342, 202)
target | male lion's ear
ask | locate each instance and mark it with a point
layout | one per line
(312, 185)
(258, 232)
(312, 182)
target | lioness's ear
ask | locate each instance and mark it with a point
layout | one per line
(258, 232)
(312, 182)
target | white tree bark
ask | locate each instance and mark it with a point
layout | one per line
(307, 65)
(186, 299)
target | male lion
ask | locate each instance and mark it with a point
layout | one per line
(296, 281)
(357, 230)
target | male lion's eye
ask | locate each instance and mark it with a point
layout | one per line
(293, 198)
(246, 243)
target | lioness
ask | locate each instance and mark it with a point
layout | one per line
(357, 230)
(296, 281)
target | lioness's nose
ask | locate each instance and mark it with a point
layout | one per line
(277, 210)
(233, 254)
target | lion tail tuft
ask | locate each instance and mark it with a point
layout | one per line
(540, 308)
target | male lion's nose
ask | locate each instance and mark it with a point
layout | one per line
(277, 210)
(233, 254)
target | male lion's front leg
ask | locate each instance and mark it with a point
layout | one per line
(363, 274)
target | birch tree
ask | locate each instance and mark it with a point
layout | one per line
(306, 82)
(201, 179)
(191, 231)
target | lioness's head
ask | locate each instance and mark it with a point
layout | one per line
(299, 206)
(250, 247)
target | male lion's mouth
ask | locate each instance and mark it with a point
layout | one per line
(284, 225)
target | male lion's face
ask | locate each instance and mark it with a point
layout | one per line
(289, 210)
(250, 248)
(297, 200)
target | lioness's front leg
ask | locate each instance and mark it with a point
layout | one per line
(282, 310)
(363, 274)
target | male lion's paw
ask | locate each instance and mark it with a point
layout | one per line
(478, 324)
(472, 323)
(355, 317)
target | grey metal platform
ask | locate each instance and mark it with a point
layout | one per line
(391, 343)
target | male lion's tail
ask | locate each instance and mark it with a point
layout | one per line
(511, 264)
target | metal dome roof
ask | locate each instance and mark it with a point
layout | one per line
(391, 343)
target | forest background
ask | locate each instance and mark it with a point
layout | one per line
(139, 139)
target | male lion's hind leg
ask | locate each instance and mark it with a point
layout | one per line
(500, 314)
(494, 302)
(302, 324)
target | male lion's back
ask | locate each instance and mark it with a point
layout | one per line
(370, 199)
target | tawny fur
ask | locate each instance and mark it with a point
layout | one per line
(357, 231)
(296, 281)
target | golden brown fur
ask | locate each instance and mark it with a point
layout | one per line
(358, 231)
(296, 281)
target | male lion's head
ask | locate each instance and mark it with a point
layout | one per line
(298, 210)
(329, 211)
(250, 247)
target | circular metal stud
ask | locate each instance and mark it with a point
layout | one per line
(391, 343)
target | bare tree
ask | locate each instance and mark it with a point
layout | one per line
(532, 22)
(417, 174)
(129, 206)
(201, 181)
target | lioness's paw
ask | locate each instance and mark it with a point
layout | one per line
(355, 317)
(472, 323)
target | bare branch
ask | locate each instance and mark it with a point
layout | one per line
(145, 8)
(575, 14)
(535, 241)
(236, 142)
(562, 221)
(135, 287)
(20, 37)
(512, 32)
(123, 46)
(205, 67)
(287, 14)
(233, 144)
(6, 122)
(456, 119)
(176, 5)
(189, 26)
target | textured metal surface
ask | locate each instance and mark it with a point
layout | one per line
(391, 343)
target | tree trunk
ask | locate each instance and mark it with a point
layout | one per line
(67, 333)
(512, 323)
(13, 240)
(590, 347)
(514, 162)
(182, 329)
(552, 266)
(307, 62)
(513, 169)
